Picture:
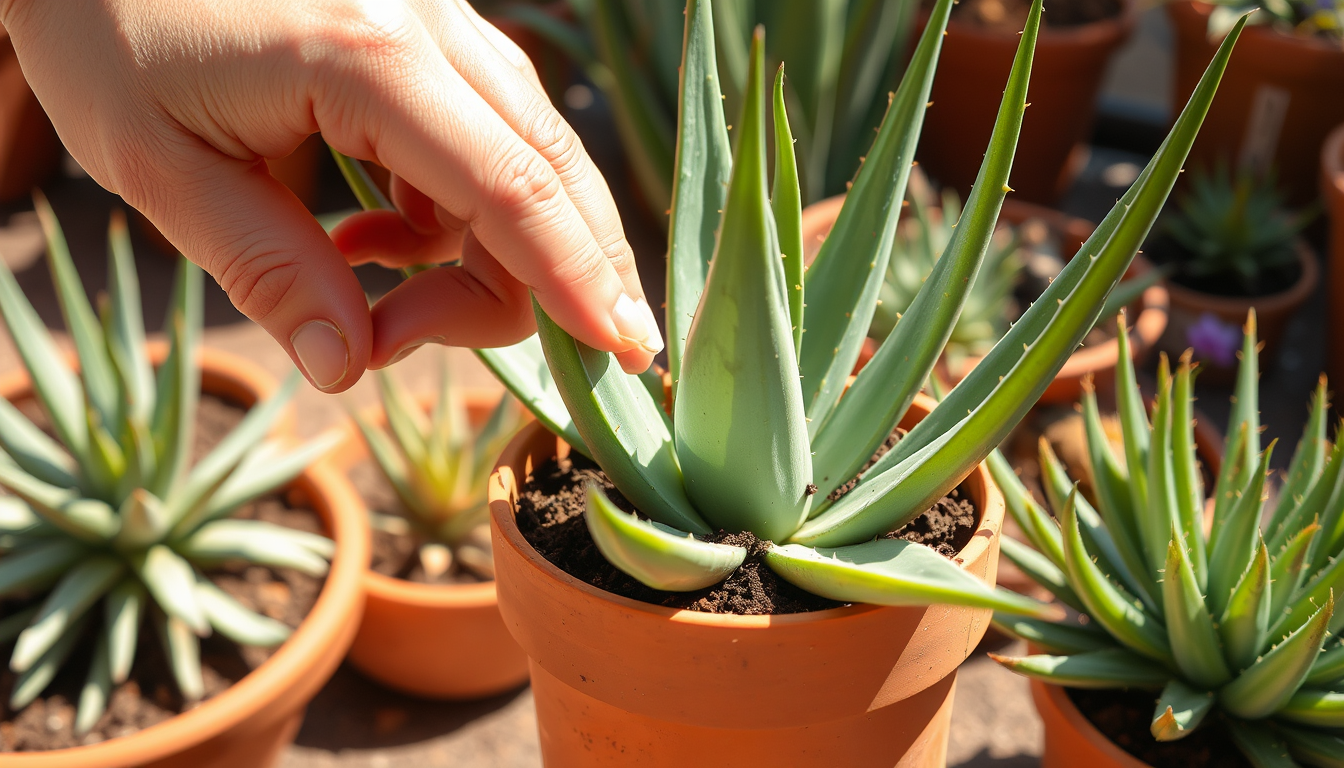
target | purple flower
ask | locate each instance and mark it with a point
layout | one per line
(1214, 341)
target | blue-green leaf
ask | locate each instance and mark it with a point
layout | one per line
(1194, 640)
(1244, 625)
(1039, 569)
(1324, 709)
(173, 423)
(1180, 710)
(126, 332)
(73, 596)
(787, 204)
(1112, 668)
(1054, 637)
(1267, 685)
(1234, 545)
(522, 369)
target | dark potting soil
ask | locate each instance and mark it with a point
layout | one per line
(150, 695)
(550, 516)
(1011, 15)
(1163, 251)
(1124, 718)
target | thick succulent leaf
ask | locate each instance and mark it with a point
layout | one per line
(171, 581)
(844, 281)
(1134, 428)
(1324, 709)
(1306, 600)
(30, 683)
(143, 521)
(1240, 454)
(126, 327)
(33, 451)
(703, 166)
(1037, 524)
(1110, 483)
(405, 419)
(1054, 637)
(86, 519)
(1189, 483)
(183, 649)
(657, 555)
(522, 369)
(1268, 684)
(893, 572)
(1288, 569)
(106, 472)
(1113, 668)
(787, 204)
(1308, 460)
(1158, 515)
(123, 610)
(38, 564)
(366, 191)
(173, 423)
(1328, 669)
(810, 35)
(1195, 644)
(1244, 625)
(1326, 492)
(266, 468)
(1180, 710)
(16, 517)
(1039, 569)
(1314, 747)
(391, 462)
(1261, 746)
(251, 541)
(236, 622)
(1234, 545)
(74, 594)
(622, 427)
(1330, 542)
(741, 434)
(101, 385)
(97, 690)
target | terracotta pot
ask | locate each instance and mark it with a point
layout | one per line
(1332, 190)
(1070, 740)
(29, 149)
(251, 723)
(622, 682)
(442, 641)
(1097, 361)
(1066, 76)
(1272, 312)
(1277, 101)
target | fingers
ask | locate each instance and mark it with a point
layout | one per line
(264, 248)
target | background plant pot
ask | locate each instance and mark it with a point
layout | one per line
(1332, 190)
(1272, 314)
(1066, 76)
(29, 149)
(1147, 323)
(1070, 740)
(442, 641)
(253, 721)
(1276, 102)
(622, 682)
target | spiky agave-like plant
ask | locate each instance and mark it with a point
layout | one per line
(1231, 618)
(438, 467)
(108, 520)
(759, 435)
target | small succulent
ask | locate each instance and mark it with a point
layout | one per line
(1228, 618)
(438, 467)
(107, 522)
(1235, 228)
(759, 435)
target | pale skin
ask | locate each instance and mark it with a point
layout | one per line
(174, 104)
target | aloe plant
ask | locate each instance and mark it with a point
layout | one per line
(108, 521)
(759, 435)
(1234, 620)
(1323, 18)
(438, 467)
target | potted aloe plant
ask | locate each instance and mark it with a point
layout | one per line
(753, 494)
(123, 543)
(431, 625)
(1223, 632)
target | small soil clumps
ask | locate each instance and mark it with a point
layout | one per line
(1124, 717)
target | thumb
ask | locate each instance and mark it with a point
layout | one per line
(268, 253)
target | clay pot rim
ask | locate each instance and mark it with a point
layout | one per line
(501, 505)
(1196, 12)
(1093, 33)
(1054, 697)
(1282, 301)
(1332, 162)
(336, 502)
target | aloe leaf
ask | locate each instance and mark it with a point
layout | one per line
(1288, 568)
(522, 369)
(1194, 640)
(16, 517)
(1127, 292)
(31, 682)
(621, 425)
(1039, 569)
(126, 332)
(88, 520)
(1328, 669)
(263, 470)
(183, 650)
(1040, 529)
(1158, 515)
(101, 386)
(1234, 545)
(893, 572)
(251, 541)
(123, 609)
(786, 203)
(1261, 746)
(404, 418)
(73, 596)
(1308, 461)
(1240, 453)
(1112, 668)
(143, 521)
(657, 555)
(1134, 428)
(1268, 684)
(1324, 493)
(97, 690)
(1314, 747)
(846, 277)
(370, 197)
(741, 434)
(33, 451)
(1110, 482)
(809, 35)
(392, 463)
(1053, 637)
(1180, 710)
(1189, 484)
(236, 622)
(1244, 625)
(1306, 600)
(173, 423)
(171, 581)
(38, 564)
(703, 166)
(1324, 709)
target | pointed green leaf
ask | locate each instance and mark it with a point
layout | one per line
(1328, 669)
(1324, 709)
(88, 520)
(1039, 569)
(143, 521)
(1244, 625)
(1135, 431)
(1307, 599)
(522, 369)
(30, 683)
(1234, 545)
(1288, 569)
(251, 541)
(404, 418)
(173, 423)
(657, 555)
(1159, 514)
(1308, 460)
(1240, 453)
(171, 581)
(1110, 483)
(1189, 483)
(787, 204)
(1326, 492)
(73, 596)
(1194, 638)
(266, 468)
(1040, 528)
(1267, 685)
(1314, 747)
(1054, 637)
(236, 622)
(893, 572)
(33, 451)
(1262, 746)
(123, 609)
(1180, 710)
(366, 191)
(126, 333)
(97, 690)
(1113, 668)
(38, 564)
(183, 650)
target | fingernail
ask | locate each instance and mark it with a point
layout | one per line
(636, 324)
(405, 351)
(320, 347)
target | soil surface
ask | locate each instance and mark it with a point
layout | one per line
(1124, 718)
(550, 516)
(150, 695)
(1164, 250)
(1011, 15)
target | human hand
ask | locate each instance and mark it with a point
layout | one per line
(173, 106)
